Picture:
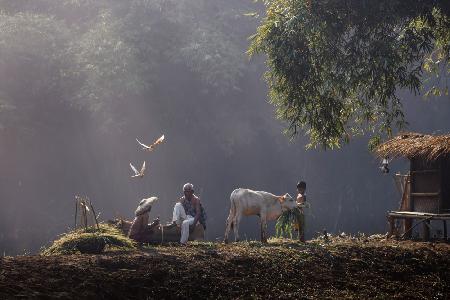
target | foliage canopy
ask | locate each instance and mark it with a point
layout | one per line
(335, 67)
(96, 55)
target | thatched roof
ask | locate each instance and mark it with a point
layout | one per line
(412, 145)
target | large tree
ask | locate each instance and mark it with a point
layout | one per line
(335, 67)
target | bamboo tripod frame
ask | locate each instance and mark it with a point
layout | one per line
(86, 211)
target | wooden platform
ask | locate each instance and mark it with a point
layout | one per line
(425, 218)
(418, 215)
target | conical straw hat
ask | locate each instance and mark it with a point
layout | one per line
(145, 205)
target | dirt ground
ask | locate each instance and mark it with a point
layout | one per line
(343, 267)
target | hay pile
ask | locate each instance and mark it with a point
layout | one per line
(411, 145)
(90, 241)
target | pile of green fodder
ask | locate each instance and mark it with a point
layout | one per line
(287, 220)
(90, 240)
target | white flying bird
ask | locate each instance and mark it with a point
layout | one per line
(136, 172)
(152, 146)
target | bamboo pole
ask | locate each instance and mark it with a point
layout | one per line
(84, 214)
(424, 220)
(76, 212)
(426, 230)
(81, 213)
(93, 213)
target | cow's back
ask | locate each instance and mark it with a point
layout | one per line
(246, 201)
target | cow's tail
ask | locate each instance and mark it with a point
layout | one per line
(232, 213)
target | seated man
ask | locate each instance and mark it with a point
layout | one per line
(187, 212)
(140, 230)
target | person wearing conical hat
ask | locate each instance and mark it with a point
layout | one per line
(140, 228)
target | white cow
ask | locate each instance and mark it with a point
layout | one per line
(267, 206)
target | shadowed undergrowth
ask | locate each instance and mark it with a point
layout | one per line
(350, 267)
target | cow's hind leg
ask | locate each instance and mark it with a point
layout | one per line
(231, 218)
(229, 226)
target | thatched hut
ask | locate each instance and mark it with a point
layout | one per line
(427, 188)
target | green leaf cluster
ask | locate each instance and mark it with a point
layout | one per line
(335, 67)
(287, 220)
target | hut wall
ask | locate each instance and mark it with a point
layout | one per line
(426, 205)
(445, 186)
(425, 181)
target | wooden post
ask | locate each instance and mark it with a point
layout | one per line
(426, 230)
(445, 229)
(81, 215)
(408, 226)
(408, 223)
(391, 226)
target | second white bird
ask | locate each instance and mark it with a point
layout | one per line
(136, 172)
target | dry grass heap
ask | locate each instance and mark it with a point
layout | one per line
(411, 145)
(90, 241)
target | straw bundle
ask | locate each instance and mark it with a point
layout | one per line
(412, 145)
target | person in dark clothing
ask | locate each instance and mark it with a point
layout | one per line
(301, 201)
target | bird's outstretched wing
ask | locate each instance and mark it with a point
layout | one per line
(142, 169)
(134, 169)
(152, 146)
(144, 146)
(158, 141)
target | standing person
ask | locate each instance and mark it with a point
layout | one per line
(187, 212)
(301, 201)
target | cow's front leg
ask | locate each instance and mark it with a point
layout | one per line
(263, 228)
(236, 222)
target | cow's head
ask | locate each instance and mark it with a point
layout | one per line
(287, 202)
